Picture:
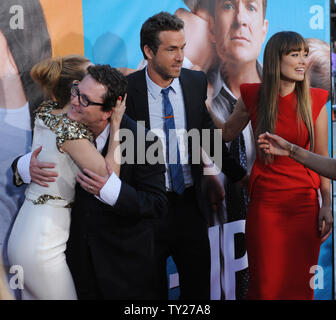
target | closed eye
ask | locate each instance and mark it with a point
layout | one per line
(85, 98)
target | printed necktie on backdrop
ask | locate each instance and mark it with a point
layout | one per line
(173, 160)
(237, 199)
(237, 202)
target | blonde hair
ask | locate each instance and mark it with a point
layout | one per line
(55, 76)
(282, 43)
(318, 66)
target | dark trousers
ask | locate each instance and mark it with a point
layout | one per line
(84, 276)
(123, 273)
(183, 234)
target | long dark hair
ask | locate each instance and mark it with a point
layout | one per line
(282, 43)
(28, 45)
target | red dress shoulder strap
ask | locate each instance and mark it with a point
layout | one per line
(250, 95)
(319, 98)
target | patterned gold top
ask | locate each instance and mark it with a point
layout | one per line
(61, 125)
(45, 197)
(64, 129)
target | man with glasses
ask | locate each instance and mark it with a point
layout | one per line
(110, 248)
(82, 99)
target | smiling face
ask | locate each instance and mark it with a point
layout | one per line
(166, 64)
(293, 65)
(238, 29)
(92, 115)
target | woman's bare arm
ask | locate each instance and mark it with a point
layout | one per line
(87, 156)
(275, 145)
(235, 124)
(321, 148)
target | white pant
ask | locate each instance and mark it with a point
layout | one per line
(37, 243)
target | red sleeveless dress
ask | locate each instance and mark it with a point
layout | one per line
(282, 236)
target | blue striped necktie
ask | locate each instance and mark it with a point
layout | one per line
(175, 167)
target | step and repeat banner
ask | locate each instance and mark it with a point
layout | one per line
(107, 32)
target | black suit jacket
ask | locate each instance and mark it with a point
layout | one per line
(194, 88)
(119, 240)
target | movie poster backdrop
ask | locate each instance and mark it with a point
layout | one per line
(108, 32)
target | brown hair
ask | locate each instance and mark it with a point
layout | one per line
(282, 43)
(113, 80)
(150, 30)
(55, 76)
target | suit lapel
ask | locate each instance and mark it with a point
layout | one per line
(141, 98)
(188, 99)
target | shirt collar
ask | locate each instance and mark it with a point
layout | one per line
(218, 83)
(102, 138)
(155, 90)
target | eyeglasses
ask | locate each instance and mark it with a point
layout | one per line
(82, 99)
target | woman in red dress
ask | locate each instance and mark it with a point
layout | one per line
(285, 223)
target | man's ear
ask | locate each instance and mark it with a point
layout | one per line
(107, 115)
(148, 52)
(265, 29)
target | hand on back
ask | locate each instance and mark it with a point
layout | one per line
(38, 170)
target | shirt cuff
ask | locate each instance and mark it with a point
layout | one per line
(23, 167)
(109, 193)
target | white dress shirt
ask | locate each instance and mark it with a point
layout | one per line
(156, 120)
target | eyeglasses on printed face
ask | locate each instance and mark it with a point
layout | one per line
(82, 99)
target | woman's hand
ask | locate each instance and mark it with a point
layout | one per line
(118, 111)
(113, 156)
(274, 145)
(325, 221)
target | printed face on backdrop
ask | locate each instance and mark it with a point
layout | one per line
(7, 64)
(9, 78)
(92, 115)
(293, 65)
(167, 62)
(238, 29)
